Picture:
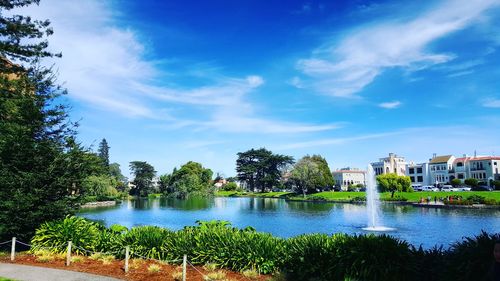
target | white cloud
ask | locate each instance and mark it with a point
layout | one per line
(104, 66)
(390, 105)
(345, 68)
(491, 102)
(296, 82)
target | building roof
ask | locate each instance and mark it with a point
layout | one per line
(478, 158)
(440, 159)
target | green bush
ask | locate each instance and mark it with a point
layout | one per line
(305, 257)
(56, 234)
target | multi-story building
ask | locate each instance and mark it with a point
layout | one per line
(418, 173)
(484, 168)
(392, 164)
(349, 176)
(441, 169)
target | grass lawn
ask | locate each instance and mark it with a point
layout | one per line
(6, 279)
(347, 196)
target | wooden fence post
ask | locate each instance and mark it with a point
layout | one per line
(184, 262)
(13, 249)
(127, 251)
(68, 254)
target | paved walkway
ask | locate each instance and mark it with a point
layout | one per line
(34, 273)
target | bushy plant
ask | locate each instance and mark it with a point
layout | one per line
(153, 268)
(147, 241)
(83, 233)
(470, 259)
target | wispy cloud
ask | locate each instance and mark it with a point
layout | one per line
(104, 66)
(344, 68)
(390, 105)
(491, 102)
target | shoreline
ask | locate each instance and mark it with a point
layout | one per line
(439, 205)
(98, 204)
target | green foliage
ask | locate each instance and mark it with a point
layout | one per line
(41, 164)
(56, 234)
(393, 183)
(305, 257)
(471, 258)
(104, 152)
(191, 178)
(261, 169)
(455, 182)
(143, 173)
(230, 186)
(471, 182)
(496, 184)
(306, 176)
(102, 185)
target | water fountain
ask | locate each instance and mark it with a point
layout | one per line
(373, 203)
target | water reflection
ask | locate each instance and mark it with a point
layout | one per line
(190, 204)
(310, 207)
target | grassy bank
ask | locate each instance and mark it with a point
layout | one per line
(349, 196)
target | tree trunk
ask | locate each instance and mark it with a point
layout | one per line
(392, 194)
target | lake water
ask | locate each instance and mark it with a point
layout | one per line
(419, 226)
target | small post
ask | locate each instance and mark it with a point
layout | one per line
(127, 251)
(184, 262)
(68, 254)
(13, 249)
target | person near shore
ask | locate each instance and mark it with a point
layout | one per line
(435, 199)
(428, 199)
(494, 273)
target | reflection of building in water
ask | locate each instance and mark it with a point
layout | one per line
(349, 176)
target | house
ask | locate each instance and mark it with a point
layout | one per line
(441, 169)
(392, 164)
(349, 176)
(419, 174)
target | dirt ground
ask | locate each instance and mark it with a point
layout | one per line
(138, 269)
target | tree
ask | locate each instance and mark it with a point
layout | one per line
(102, 185)
(192, 177)
(104, 152)
(261, 169)
(143, 177)
(306, 175)
(230, 186)
(496, 184)
(393, 182)
(41, 164)
(455, 182)
(326, 174)
(471, 182)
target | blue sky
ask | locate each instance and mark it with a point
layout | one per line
(171, 81)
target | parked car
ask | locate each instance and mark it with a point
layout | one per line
(448, 187)
(482, 188)
(428, 188)
(463, 188)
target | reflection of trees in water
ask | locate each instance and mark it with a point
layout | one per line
(141, 203)
(310, 207)
(190, 204)
(264, 204)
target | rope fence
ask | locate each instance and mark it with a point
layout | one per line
(128, 254)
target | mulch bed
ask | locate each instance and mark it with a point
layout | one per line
(138, 270)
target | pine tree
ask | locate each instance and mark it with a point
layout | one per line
(41, 164)
(104, 152)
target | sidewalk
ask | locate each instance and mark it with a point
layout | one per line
(34, 273)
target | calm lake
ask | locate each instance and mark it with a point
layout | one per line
(419, 226)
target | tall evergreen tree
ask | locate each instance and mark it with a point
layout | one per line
(41, 164)
(144, 174)
(104, 152)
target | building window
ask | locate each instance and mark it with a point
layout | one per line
(461, 176)
(460, 164)
(419, 170)
(411, 171)
(420, 179)
(412, 179)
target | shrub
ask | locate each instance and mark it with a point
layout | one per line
(217, 275)
(177, 275)
(56, 234)
(251, 274)
(147, 241)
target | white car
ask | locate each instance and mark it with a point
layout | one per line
(428, 188)
(463, 188)
(447, 187)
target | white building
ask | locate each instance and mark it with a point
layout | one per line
(419, 174)
(349, 176)
(388, 165)
(483, 168)
(441, 169)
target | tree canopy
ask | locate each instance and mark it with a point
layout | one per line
(104, 152)
(260, 169)
(42, 166)
(306, 176)
(191, 178)
(393, 183)
(143, 177)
